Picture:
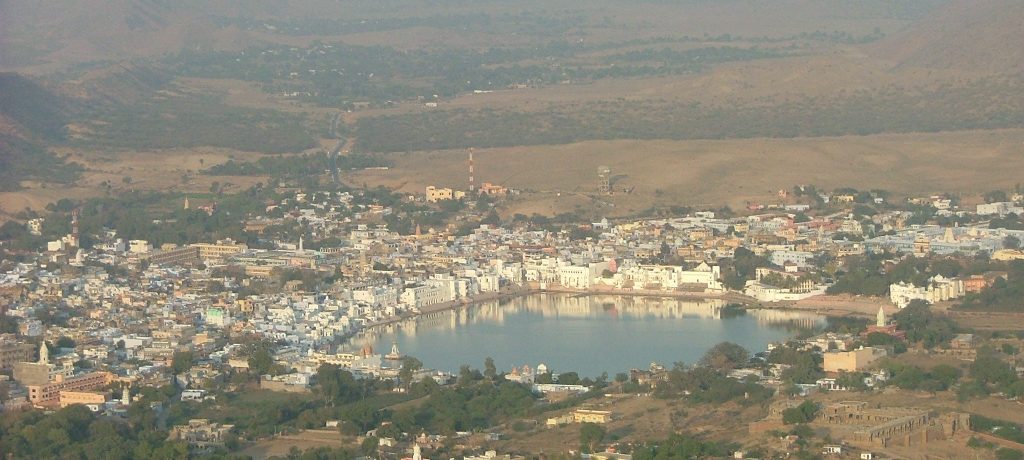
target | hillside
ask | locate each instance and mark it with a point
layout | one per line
(30, 116)
(976, 35)
(31, 108)
(41, 37)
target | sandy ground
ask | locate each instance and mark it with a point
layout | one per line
(734, 172)
(845, 305)
(307, 439)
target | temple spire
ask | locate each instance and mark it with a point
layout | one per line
(44, 354)
(881, 318)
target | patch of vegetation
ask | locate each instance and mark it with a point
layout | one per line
(871, 275)
(982, 104)
(998, 428)
(75, 432)
(805, 366)
(339, 75)
(296, 166)
(1005, 294)
(803, 413)
(923, 326)
(186, 122)
(708, 384)
(682, 446)
(38, 110)
(909, 377)
(21, 160)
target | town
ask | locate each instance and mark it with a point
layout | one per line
(113, 324)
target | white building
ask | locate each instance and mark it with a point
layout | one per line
(938, 289)
(1001, 208)
(802, 259)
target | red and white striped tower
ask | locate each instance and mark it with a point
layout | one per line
(472, 183)
(74, 227)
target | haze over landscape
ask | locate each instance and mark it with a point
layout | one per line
(667, 229)
(846, 93)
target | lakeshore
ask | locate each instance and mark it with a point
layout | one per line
(534, 288)
(589, 334)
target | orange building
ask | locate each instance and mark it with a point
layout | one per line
(48, 395)
(68, 398)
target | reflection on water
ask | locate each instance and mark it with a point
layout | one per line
(588, 334)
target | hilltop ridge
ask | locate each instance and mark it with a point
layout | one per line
(975, 35)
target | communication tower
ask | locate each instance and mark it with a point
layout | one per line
(74, 228)
(472, 182)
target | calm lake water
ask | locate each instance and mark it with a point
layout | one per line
(585, 334)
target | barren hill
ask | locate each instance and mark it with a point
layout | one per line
(979, 35)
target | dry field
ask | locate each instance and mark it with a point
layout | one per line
(159, 171)
(308, 439)
(638, 418)
(722, 172)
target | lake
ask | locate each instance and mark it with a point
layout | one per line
(585, 334)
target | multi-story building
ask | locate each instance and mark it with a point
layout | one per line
(201, 435)
(938, 289)
(218, 251)
(15, 352)
(91, 399)
(852, 361)
(435, 194)
(175, 256)
(48, 395)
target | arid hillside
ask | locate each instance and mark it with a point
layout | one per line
(690, 101)
(977, 35)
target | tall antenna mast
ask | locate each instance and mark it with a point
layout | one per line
(472, 183)
(74, 227)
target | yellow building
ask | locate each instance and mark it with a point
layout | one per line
(1007, 255)
(591, 416)
(435, 194)
(851, 361)
(219, 250)
(68, 398)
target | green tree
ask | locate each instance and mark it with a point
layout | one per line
(490, 370)
(803, 413)
(336, 385)
(924, 326)
(569, 378)
(990, 370)
(369, 446)
(1004, 453)
(996, 196)
(725, 356)
(410, 366)
(591, 435)
(65, 342)
(181, 361)
(261, 361)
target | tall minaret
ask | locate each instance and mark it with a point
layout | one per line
(126, 395)
(300, 243)
(416, 454)
(44, 354)
(186, 202)
(881, 318)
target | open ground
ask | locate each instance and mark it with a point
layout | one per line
(715, 173)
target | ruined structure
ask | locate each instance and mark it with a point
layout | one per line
(883, 426)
